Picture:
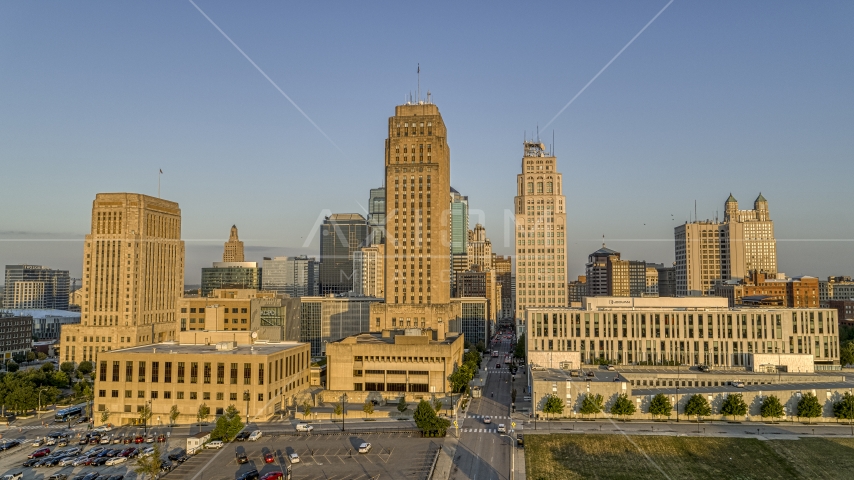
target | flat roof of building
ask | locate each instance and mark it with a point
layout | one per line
(40, 312)
(559, 375)
(767, 387)
(379, 339)
(258, 348)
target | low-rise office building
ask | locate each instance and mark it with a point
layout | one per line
(686, 330)
(47, 324)
(272, 316)
(259, 379)
(16, 334)
(413, 363)
(231, 275)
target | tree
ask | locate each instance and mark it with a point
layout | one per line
(41, 356)
(47, 368)
(846, 353)
(173, 414)
(771, 407)
(699, 406)
(59, 379)
(150, 465)
(592, 404)
(11, 366)
(461, 378)
(85, 368)
(623, 407)
(660, 405)
(472, 358)
(809, 406)
(519, 352)
(31, 355)
(105, 416)
(306, 409)
(437, 404)
(402, 406)
(67, 367)
(480, 347)
(203, 413)
(144, 414)
(228, 425)
(844, 409)
(553, 405)
(368, 408)
(337, 410)
(734, 406)
(427, 420)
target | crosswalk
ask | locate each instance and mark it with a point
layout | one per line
(497, 417)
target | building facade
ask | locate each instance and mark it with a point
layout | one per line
(376, 216)
(234, 275)
(540, 231)
(795, 292)
(340, 236)
(687, 330)
(329, 319)
(269, 315)
(233, 251)
(710, 252)
(577, 289)
(133, 274)
(264, 376)
(16, 334)
(503, 267)
(36, 286)
(292, 276)
(481, 283)
(368, 271)
(47, 324)
(845, 310)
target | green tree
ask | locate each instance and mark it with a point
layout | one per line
(734, 406)
(41, 356)
(306, 409)
(402, 406)
(228, 425)
(11, 366)
(437, 404)
(623, 407)
(31, 355)
(337, 410)
(472, 358)
(85, 368)
(59, 379)
(660, 405)
(47, 367)
(846, 353)
(173, 414)
(105, 416)
(144, 414)
(553, 405)
(480, 347)
(592, 404)
(203, 413)
(771, 407)
(368, 408)
(461, 378)
(150, 466)
(427, 420)
(67, 367)
(699, 406)
(809, 406)
(844, 408)
(519, 352)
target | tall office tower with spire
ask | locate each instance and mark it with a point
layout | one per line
(540, 232)
(233, 247)
(708, 253)
(133, 274)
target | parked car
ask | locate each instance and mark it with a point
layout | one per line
(118, 438)
(183, 458)
(272, 476)
(100, 461)
(94, 439)
(365, 448)
(250, 475)
(738, 384)
(241, 436)
(269, 458)
(255, 435)
(150, 439)
(116, 460)
(214, 444)
(304, 427)
(106, 440)
(84, 439)
(90, 476)
(519, 440)
(611, 368)
(161, 438)
(293, 457)
(166, 467)
(175, 456)
(242, 458)
(63, 442)
(138, 439)
(58, 476)
(80, 461)
(14, 476)
(31, 462)
(148, 451)
(39, 453)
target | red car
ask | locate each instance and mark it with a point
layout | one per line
(39, 453)
(269, 458)
(138, 439)
(161, 438)
(272, 476)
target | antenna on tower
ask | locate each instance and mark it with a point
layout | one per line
(538, 132)
(695, 209)
(419, 82)
(553, 142)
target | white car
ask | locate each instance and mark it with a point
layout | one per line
(103, 428)
(38, 442)
(14, 476)
(365, 448)
(738, 384)
(502, 428)
(213, 444)
(487, 419)
(304, 427)
(105, 440)
(117, 460)
(254, 435)
(150, 451)
(294, 458)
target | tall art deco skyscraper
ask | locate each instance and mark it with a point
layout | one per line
(540, 232)
(133, 273)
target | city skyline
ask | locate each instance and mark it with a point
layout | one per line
(673, 124)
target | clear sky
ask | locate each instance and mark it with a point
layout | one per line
(712, 98)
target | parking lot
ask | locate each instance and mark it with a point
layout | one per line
(392, 456)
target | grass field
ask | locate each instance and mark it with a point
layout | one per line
(559, 457)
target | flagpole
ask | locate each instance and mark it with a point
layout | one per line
(158, 182)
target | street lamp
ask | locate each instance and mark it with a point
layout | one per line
(343, 410)
(246, 397)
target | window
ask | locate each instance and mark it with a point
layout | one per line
(260, 374)
(155, 372)
(194, 372)
(260, 397)
(128, 394)
(207, 372)
(154, 394)
(102, 374)
(220, 373)
(219, 411)
(167, 394)
(219, 395)
(116, 371)
(179, 395)
(194, 396)
(233, 377)
(232, 396)
(180, 372)
(167, 373)
(140, 394)
(102, 393)
(247, 373)
(206, 395)
(114, 394)
(141, 372)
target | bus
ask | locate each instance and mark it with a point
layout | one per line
(69, 413)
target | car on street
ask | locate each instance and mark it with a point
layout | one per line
(293, 457)
(365, 448)
(116, 460)
(269, 458)
(242, 458)
(250, 475)
(38, 442)
(487, 419)
(39, 453)
(502, 428)
(519, 440)
(304, 427)
(82, 420)
(14, 476)
(738, 384)
(58, 476)
(9, 444)
(272, 476)
(497, 365)
(175, 456)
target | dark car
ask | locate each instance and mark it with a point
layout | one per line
(242, 458)
(250, 475)
(127, 439)
(91, 476)
(166, 467)
(84, 439)
(94, 440)
(52, 461)
(82, 420)
(100, 461)
(519, 440)
(183, 458)
(175, 456)
(115, 477)
(31, 462)
(80, 477)
(242, 436)
(58, 476)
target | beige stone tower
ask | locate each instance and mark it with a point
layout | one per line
(133, 274)
(233, 247)
(540, 232)
(417, 180)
